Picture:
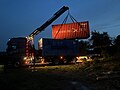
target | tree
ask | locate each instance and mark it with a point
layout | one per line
(100, 39)
(100, 43)
(117, 43)
(83, 46)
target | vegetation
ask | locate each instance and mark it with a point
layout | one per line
(100, 39)
(103, 44)
(107, 48)
(59, 77)
(107, 67)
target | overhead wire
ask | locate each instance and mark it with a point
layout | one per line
(108, 26)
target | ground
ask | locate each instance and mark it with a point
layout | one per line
(60, 77)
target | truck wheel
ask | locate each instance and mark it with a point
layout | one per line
(65, 62)
(56, 62)
(17, 64)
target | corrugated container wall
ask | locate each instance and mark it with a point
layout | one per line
(77, 30)
(55, 47)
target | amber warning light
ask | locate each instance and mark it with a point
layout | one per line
(74, 30)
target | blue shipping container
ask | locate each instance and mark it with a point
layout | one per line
(58, 47)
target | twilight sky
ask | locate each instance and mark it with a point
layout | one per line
(21, 17)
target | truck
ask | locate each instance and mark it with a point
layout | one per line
(20, 50)
(58, 51)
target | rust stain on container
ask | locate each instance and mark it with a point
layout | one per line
(78, 30)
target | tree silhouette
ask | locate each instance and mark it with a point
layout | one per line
(83, 46)
(101, 43)
(100, 39)
(117, 43)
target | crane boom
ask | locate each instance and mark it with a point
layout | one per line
(48, 22)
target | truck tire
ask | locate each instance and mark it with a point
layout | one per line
(56, 62)
(65, 62)
(17, 64)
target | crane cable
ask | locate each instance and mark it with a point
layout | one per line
(73, 20)
(64, 21)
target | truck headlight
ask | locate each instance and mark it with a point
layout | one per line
(25, 58)
(61, 57)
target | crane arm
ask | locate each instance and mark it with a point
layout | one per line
(48, 22)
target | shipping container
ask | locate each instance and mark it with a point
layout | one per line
(76, 30)
(58, 47)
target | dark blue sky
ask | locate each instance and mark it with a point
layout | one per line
(21, 17)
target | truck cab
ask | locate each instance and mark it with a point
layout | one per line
(19, 51)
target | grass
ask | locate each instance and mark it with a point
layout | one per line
(55, 78)
(28, 80)
(1, 68)
(45, 78)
